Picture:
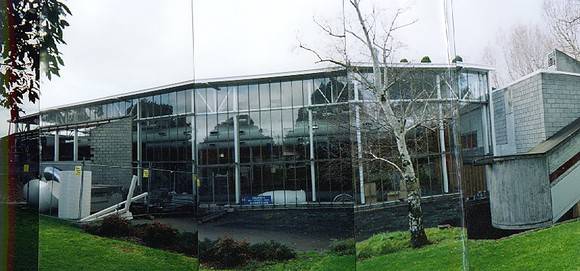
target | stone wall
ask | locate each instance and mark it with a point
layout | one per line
(336, 222)
(111, 145)
(393, 217)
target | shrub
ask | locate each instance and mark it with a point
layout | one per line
(158, 235)
(187, 243)
(112, 226)
(457, 59)
(271, 251)
(343, 247)
(224, 253)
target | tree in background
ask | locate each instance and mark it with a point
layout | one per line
(526, 49)
(563, 18)
(31, 32)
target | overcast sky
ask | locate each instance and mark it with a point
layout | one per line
(120, 46)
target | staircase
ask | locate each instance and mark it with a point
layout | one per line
(537, 188)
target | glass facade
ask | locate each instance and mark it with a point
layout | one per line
(303, 138)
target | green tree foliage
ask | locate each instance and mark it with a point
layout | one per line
(30, 33)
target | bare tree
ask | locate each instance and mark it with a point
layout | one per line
(525, 49)
(402, 100)
(489, 58)
(563, 17)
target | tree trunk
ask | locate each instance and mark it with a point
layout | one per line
(413, 187)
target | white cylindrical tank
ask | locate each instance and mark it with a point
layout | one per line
(42, 194)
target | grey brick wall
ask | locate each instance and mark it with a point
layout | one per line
(527, 104)
(499, 112)
(111, 145)
(561, 97)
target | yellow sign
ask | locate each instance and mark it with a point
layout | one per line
(145, 173)
(78, 170)
(198, 183)
(26, 168)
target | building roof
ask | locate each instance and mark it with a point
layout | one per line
(248, 78)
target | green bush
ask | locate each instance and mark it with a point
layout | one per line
(158, 235)
(224, 253)
(343, 247)
(271, 251)
(112, 226)
(227, 253)
(187, 243)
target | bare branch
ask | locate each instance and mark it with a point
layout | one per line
(320, 58)
(386, 161)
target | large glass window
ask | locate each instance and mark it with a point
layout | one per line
(254, 97)
(286, 93)
(275, 101)
(297, 99)
(243, 98)
(66, 145)
(264, 96)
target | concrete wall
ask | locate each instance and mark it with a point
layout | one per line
(561, 98)
(111, 145)
(520, 193)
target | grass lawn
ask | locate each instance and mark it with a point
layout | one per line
(554, 248)
(309, 261)
(63, 247)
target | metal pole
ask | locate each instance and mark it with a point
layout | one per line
(311, 138)
(194, 150)
(442, 139)
(236, 152)
(149, 187)
(81, 190)
(56, 145)
(139, 148)
(76, 145)
(359, 146)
